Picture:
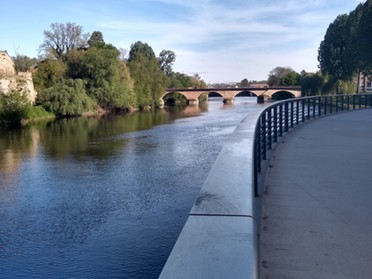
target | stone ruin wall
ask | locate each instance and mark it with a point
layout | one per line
(10, 80)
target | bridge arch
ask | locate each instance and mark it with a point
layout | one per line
(214, 94)
(193, 95)
(174, 97)
(281, 94)
(246, 93)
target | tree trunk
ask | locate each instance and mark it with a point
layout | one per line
(358, 82)
(364, 82)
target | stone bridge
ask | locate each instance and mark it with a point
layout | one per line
(192, 94)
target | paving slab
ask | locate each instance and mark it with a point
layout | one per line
(317, 207)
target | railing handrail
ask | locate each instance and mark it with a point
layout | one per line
(284, 115)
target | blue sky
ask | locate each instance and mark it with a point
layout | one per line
(221, 40)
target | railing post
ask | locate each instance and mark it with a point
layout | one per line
(303, 110)
(292, 114)
(314, 103)
(319, 106)
(281, 120)
(263, 135)
(258, 145)
(353, 102)
(308, 109)
(286, 117)
(297, 111)
(269, 129)
(330, 104)
(342, 103)
(276, 124)
(360, 101)
(336, 103)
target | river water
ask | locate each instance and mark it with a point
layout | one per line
(105, 198)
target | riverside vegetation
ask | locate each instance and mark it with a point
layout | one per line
(80, 74)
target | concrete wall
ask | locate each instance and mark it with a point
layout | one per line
(219, 239)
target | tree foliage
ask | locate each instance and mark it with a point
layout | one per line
(96, 39)
(290, 79)
(49, 72)
(345, 50)
(149, 80)
(13, 106)
(166, 60)
(23, 63)
(284, 76)
(312, 83)
(244, 83)
(68, 98)
(61, 39)
(140, 48)
(77, 71)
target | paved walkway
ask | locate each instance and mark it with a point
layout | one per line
(317, 209)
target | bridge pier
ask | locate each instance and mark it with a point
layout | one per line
(192, 102)
(228, 100)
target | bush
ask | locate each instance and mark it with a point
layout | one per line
(68, 98)
(13, 106)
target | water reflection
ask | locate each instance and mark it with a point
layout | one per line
(104, 197)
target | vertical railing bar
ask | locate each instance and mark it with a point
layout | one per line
(286, 117)
(264, 136)
(319, 106)
(291, 114)
(297, 112)
(269, 129)
(280, 120)
(275, 123)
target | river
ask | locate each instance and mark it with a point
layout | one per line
(105, 198)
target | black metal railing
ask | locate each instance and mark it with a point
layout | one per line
(282, 116)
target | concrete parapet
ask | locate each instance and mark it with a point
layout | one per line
(219, 239)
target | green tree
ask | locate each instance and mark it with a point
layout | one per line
(139, 48)
(49, 72)
(166, 60)
(96, 39)
(335, 51)
(108, 79)
(244, 83)
(68, 98)
(61, 39)
(312, 83)
(291, 78)
(13, 106)
(277, 74)
(363, 30)
(23, 63)
(149, 81)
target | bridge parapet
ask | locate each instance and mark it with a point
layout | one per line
(228, 94)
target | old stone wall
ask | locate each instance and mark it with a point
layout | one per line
(10, 80)
(6, 64)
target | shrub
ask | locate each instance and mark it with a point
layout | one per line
(68, 98)
(13, 106)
